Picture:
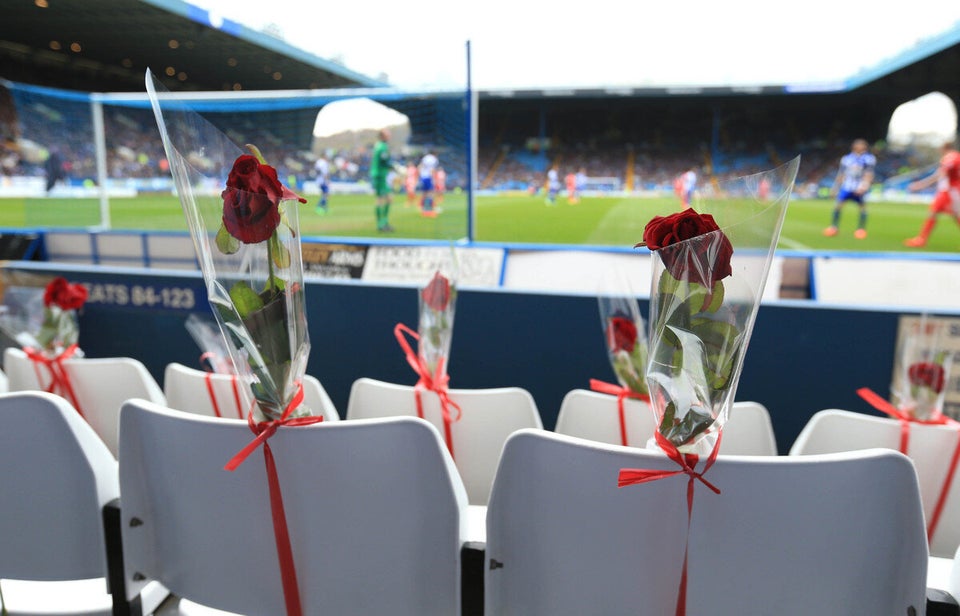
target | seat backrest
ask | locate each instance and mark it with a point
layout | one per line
(488, 417)
(186, 390)
(55, 476)
(373, 511)
(748, 431)
(101, 386)
(786, 536)
(595, 416)
(317, 398)
(930, 447)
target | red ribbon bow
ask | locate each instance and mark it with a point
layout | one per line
(264, 430)
(688, 464)
(874, 400)
(208, 379)
(59, 378)
(622, 393)
(436, 383)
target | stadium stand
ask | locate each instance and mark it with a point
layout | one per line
(117, 40)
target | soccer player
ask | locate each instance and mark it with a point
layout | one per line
(322, 167)
(410, 182)
(428, 164)
(763, 190)
(571, 181)
(947, 199)
(688, 186)
(379, 168)
(581, 182)
(853, 180)
(439, 186)
(553, 184)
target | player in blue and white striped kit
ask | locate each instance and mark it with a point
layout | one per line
(853, 180)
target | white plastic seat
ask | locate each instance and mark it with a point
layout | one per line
(101, 386)
(748, 431)
(373, 510)
(944, 574)
(931, 449)
(595, 416)
(185, 389)
(56, 475)
(786, 536)
(488, 417)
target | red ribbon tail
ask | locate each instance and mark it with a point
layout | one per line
(622, 393)
(604, 388)
(208, 380)
(59, 378)
(877, 402)
(682, 588)
(904, 436)
(623, 419)
(432, 382)
(632, 476)
(236, 395)
(244, 453)
(873, 399)
(445, 405)
(288, 572)
(688, 466)
(400, 332)
(418, 398)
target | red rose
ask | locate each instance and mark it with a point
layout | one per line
(704, 262)
(436, 294)
(926, 374)
(65, 295)
(621, 334)
(251, 200)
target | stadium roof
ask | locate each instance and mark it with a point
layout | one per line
(902, 69)
(105, 45)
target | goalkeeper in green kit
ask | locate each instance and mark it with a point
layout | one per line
(379, 168)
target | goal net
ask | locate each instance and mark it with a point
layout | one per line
(96, 160)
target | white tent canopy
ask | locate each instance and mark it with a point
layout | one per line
(355, 122)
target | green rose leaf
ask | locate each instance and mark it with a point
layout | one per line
(279, 253)
(715, 334)
(685, 430)
(716, 298)
(668, 285)
(226, 243)
(245, 299)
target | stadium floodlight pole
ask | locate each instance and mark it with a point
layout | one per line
(100, 146)
(472, 134)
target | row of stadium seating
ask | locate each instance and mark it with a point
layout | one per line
(46, 125)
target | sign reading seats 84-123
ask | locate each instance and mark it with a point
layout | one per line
(147, 295)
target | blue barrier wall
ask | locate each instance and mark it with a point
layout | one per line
(802, 357)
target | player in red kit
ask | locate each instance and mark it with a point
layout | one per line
(439, 185)
(410, 183)
(571, 181)
(947, 199)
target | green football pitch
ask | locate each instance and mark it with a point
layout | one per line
(603, 221)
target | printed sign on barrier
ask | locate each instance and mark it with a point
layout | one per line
(338, 261)
(477, 267)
